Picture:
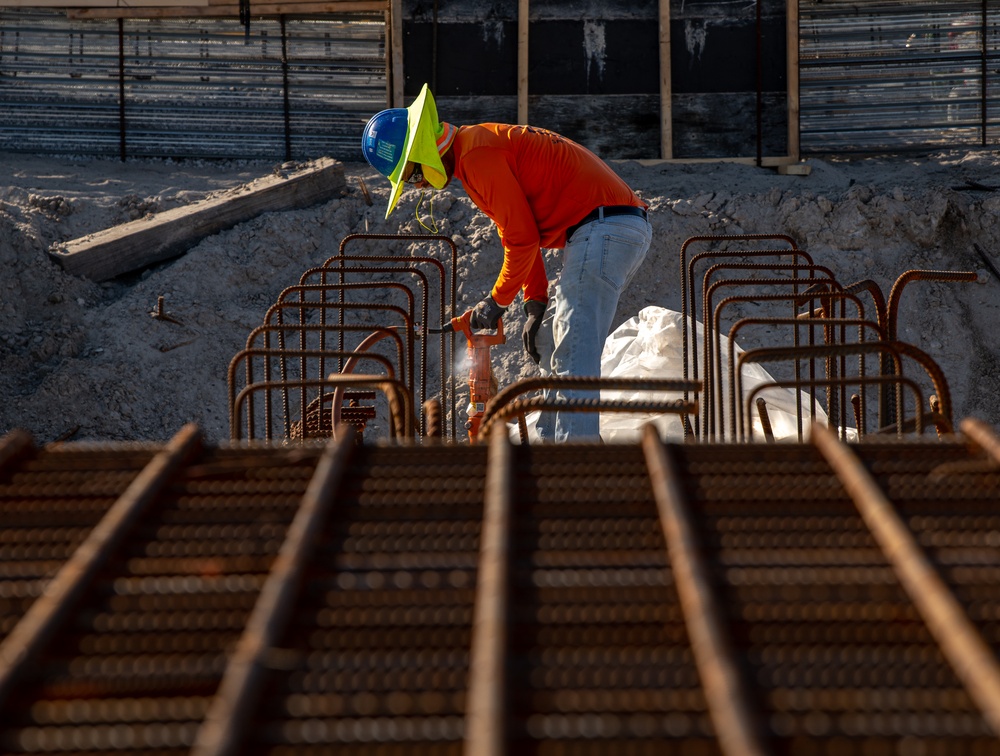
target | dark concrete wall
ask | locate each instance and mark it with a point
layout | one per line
(594, 71)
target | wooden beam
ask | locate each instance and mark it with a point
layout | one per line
(666, 88)
(141, 243)
(229, 10)
(523, 15)
(786, 165)
(792, 42)
(99, 3)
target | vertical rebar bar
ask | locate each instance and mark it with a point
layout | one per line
(486, 712)
(728, 704)
(225, 724)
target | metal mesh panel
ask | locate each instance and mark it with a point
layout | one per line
(191, 88)
(898, 75)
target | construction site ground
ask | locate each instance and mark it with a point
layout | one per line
(84, 360)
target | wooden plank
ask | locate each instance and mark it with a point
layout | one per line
(666, 87)
(230, 10)
(141, 243)
(394, 28)
(523, 23)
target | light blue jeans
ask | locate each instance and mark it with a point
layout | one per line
(599, 260)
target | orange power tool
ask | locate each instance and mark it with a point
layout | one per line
(482, 382)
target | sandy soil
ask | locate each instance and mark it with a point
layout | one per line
(86, 360)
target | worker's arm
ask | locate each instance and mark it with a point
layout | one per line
(490, 181)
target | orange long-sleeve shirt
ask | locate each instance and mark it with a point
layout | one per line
(533, 184)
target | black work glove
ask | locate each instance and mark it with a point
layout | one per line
(486, 314)
(534, 310)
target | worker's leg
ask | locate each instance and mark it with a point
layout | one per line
(598, 262)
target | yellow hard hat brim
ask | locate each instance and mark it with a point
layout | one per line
(420, 146)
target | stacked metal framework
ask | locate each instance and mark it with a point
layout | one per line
(189, 88)
(835, 351)
(898, 75)
(351, 342)
(820, 598)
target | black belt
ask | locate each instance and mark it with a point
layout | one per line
(607, 212)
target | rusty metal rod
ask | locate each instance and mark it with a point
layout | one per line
(796, 323)
(688, 306)
(712, 400)
(983, 436)
(223, 729)
(267, 385)
(13, 445)
(728, 705)
(972, 659)
(39, 623)
(486, 712)
(765, 419)
(519, 407)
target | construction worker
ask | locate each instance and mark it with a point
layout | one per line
(542, 191)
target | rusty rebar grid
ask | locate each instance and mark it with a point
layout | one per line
(420, 387)
(688, 307)
(505, 404)
(277, 310)
(400, 400)
(449, 313)
(728, 704)
(35, 629)
(973, 660)
(223, 730)
(447, 342)
(266, 386)
(797, 300)
(829, 325)
(897, 350)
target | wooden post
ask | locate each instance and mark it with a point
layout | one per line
(522, 61)
(666, 90)
(792, 62)
(394, 31)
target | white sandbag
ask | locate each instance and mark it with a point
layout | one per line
(650, 345)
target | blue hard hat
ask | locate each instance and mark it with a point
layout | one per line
(384, 138)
